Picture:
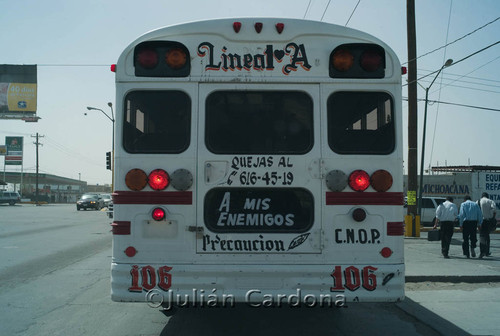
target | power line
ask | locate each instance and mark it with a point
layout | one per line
(307, 9)
(460, 60)
(352, 13)
(327, 5)
(456, 104)
(458, 39)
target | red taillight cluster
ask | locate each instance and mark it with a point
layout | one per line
(359, 180)
(357, 60)
(158, 179)
(161, 59)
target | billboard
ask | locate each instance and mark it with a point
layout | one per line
(18, 91)
(14, 155)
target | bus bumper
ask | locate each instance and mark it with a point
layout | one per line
(206, 285)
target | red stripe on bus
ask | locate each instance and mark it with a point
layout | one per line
(364, 198)
(153, 197)
(120, 227)
(395, 229)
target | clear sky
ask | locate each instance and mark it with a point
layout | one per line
(74, 43)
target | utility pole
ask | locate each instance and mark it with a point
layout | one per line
(37, 143)
(412, 218)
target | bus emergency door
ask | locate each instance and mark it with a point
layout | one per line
(258, 187)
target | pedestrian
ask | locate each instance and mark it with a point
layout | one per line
(446, 217)
(488, 208)
(470, 217)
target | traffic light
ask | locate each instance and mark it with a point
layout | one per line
(108, 160)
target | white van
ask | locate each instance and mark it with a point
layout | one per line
(429, 206)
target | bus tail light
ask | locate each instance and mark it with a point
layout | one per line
(161, 59)
(359, 214)
(236, 27)
(342, 60)
(371, 60)
(357, 60)
(136, 179)
(176, 58)
(359, 180)
(158, 214)
(279, 27)
(158, 179)
(147, 58)
(381, 180)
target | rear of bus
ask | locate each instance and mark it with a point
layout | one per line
(258, 161)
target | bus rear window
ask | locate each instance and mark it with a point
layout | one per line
(361, 123)
(157, 122)
(259, 122)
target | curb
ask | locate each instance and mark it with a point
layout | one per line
(432, 320)
(453, 278)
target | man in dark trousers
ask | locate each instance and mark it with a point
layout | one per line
(446, 216)
(470, 217)
(488, 208)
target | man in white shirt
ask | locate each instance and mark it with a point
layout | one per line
(446, 216)
(488, 208)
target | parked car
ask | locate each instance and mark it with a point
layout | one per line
(106, 199)
(90, 201)
(429, 206)
(9, 197)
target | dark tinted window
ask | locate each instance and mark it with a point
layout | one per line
(361, 123)
(259, 122)
(157, 122)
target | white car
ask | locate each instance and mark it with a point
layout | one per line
(429, 206)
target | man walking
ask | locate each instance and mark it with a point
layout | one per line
(446, 215)
(470, 217)
(488, 208)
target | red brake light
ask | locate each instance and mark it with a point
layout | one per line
(359, 180)
(113, 68)
(147, 58)
(371, 60)
(158, 179)
(158, 214)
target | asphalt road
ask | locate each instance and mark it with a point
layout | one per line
(54, 280)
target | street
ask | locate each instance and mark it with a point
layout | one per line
(54, 280)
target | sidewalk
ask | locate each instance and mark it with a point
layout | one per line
(465, 292)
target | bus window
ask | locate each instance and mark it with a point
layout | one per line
(157, 122)
(259, 122)
(361, 123)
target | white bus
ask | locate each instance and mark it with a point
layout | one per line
(258, 161)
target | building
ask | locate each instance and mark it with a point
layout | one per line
(51, 188)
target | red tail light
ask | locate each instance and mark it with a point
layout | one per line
(158, 179)
(371, 60)
(280, 27)
(158, 214)
(359, 180)
(147, 58)
(258, 27)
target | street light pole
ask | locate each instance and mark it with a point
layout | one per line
(112, 119)
(421, 186)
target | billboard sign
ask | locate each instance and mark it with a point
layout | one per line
(14, 155)
(18, 90)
